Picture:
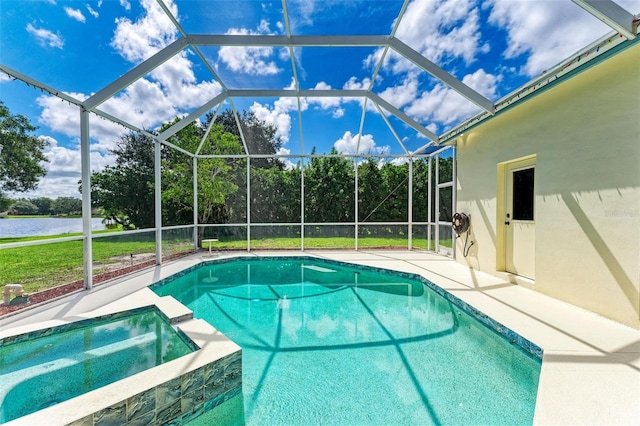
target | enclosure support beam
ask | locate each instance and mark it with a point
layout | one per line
(158, 201)
(258, 40)
(136, 73)
(195, 202)
(454, 191)
(85, 158)
(404, 117)
(192, 117)
(386, 120)
(443, 76)
(437, 208)
(355, 189)
(611, 14)
(248, 196)
(410, 230)
(36, 84)
(242, 139)
(209, 127)
(429, 206)
(302, 167)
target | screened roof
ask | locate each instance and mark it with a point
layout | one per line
(382, 77)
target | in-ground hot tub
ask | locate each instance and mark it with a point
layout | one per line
(45, 367)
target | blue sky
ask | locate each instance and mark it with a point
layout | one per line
(78, 47)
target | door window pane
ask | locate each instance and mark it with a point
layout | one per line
(446, 204)
(523, 194)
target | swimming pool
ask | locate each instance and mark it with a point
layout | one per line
(326, 342)
(43, 368)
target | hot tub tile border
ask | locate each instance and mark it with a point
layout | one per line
(175, 409)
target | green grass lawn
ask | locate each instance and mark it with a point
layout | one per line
(43, 266)
(39, 267)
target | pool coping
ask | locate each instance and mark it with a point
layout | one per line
(590, 370)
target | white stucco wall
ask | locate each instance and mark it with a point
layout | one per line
(585, 134)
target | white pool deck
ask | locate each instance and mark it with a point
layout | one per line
(591, 365)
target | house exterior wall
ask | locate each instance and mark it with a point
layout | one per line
(585, 135)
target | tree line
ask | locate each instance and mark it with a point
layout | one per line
(125, 191)
(61, 206)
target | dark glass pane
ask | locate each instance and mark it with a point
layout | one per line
(445, 206)
(523, 194)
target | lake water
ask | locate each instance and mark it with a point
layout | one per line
(44, 226)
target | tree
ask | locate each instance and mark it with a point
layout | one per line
(329, 189)
(5, 203)
(20, 154)
(67, 206)
(420, 190)
(371, 191)
(260, 137)
(214, 175)
(44, 205)
(396, 201)
(24, 207)
(275, 195)
(125, 191)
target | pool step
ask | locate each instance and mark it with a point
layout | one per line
(174, 310)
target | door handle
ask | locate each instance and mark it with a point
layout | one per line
(507, 223)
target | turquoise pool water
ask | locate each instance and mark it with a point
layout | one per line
(47, 367)
(328, 344)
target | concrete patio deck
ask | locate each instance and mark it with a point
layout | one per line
(591, 365)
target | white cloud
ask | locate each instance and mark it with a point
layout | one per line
(354, 84)
(93, 12)
(46, 37)
(137, 41)
(75, 14)
(180, 84)
(65, 119)
(278, 116)
(399, 161)
(482, 82)
(632, 6)
(169, 91)
(125, 4)
(440, 30)
(443, 105)
(546, 31)
(300, 14)
(251, 60)
(348, 144)
(338, 113)
(63, 170)
(328, 104)
(402, 94)
(288, 164)
(60, 116)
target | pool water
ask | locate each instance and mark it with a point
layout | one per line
(66, 361)
(328, 344)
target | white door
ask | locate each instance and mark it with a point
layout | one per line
(520, 218)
